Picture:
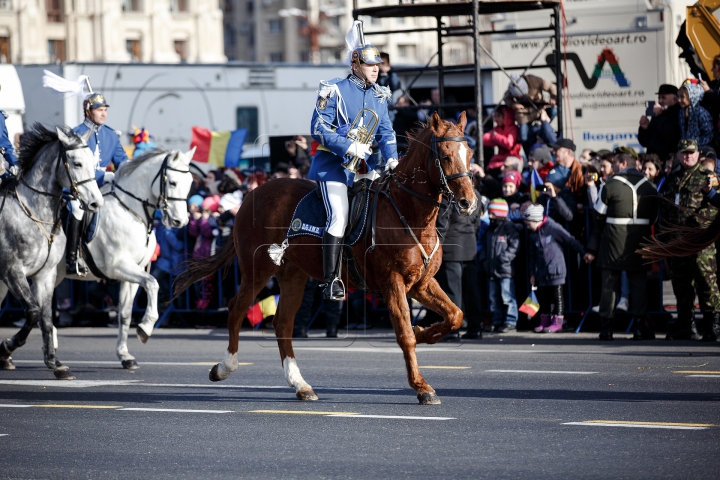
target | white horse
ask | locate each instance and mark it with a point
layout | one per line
(125, 242)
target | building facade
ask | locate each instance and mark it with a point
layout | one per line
(159, 31)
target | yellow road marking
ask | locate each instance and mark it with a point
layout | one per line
(705, 372)
(443, 367)
(665, 424)
(241, 364)
(75, 406)
(303, 412)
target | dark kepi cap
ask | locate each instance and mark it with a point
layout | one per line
(564, 143)
(687, 146)
(665, 89)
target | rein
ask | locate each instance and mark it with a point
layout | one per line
(162, 202)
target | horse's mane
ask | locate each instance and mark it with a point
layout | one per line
(34, 140)
(420, 137)
(127, 168)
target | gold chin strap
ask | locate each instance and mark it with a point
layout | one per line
(360, 73)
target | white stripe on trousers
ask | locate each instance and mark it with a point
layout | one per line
(335, 198)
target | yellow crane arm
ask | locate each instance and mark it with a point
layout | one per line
(703, 30)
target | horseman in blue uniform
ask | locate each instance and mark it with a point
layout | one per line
(105, 142)
(338, 105)
(7, 151)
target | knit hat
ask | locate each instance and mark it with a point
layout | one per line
(231, 200)
(513, 176)
(195, 200)
(534, 213)
(558, 176)
(211, 203)
(542, 153)
(498, 207)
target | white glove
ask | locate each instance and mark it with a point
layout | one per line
(109, 176)
(390, 164)
(14, 170)
(359, 150)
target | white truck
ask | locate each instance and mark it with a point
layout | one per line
(618, 53)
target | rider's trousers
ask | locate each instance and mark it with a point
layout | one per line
(335, 197)
(75, 210)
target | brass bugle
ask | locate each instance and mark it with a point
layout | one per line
(362, 134)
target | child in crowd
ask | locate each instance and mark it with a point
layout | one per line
(505, 136)
(546, 263)
(502, 240)
(512, 195)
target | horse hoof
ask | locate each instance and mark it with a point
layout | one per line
(63, 373)
(428, 398)
(130, 364)
(141, 335)
(214, 376)
(7, 364)
(307, 395)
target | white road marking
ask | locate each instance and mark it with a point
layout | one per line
(4, 434)
(69, 384)
(181, 410)
(117, 362)
(15, 406)
(400, 417)
(541, 371)
(634, 425)
(704, 376)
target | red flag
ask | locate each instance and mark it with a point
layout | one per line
(255, 314)
(201, 138)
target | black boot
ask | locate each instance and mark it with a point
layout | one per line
(72, 233)
(642, 329)
(606, 333)
(334, 289)
(680, 329)
(332, 331)
(712, 330)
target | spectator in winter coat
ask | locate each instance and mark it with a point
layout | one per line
(711, 98)
(546, 264)
(661, 134)
(558, 202)
(505, 136)
(502, 241)
(203, 227)
(541, 159)
(695, 121)
(511, 193)
(172, 254)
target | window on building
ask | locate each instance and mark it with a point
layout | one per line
(335, 20)
(275, 26)
(5, 4)
(179, 6)
(247, 117)
(230, 36)
(407, 51)
(4, 50)
(228, 6)
(181, 50)
(54, 9)
(400, 21)
(132, 5)
(276, 57)
(56, 51)
(133, 48)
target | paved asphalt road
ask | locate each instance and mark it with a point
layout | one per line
(513, 406)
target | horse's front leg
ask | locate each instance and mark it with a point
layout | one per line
(42, 289)
(432, 296)
(15, 281)
(127, 271)
(400, 316)
(127, 295)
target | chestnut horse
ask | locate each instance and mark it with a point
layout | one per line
(436, 164)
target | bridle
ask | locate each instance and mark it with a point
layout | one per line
(444, 188)
(162, 201)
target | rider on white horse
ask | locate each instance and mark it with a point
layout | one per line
(339, 102)
(105, 142)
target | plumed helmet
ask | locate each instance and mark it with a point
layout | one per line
(368, 54)
(94, 100)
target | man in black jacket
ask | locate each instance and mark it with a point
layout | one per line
(662, 134)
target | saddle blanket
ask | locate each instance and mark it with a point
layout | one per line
(310, 218)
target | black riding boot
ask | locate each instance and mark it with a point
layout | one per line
(72, 233)
(712, 329)
(606, 333)
(643, 329)
(334, 289)
(680, 329)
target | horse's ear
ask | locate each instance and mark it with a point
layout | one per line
(67, 141)
(435, 123)
(86, 136)
(189, 154)
(462, 121)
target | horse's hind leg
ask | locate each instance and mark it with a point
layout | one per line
(292, 288)
(250, 286)
(127, 295)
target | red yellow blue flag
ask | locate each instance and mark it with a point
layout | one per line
(535, 183)
(530, 306)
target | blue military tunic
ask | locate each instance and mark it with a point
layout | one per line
(5, 141)
(338, 103)
(107, 141)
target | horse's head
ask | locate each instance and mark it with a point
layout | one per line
(449, 169)
(173, 187)
(77, 172)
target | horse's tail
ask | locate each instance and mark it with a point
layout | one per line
(685, 241)
(196, 269)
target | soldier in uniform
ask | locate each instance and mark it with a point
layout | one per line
(7, 151)
(626, 209)
(338, 104)
(105, 142)
(694, 273)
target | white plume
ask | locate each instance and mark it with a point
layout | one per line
(353, 40)
(59, 84)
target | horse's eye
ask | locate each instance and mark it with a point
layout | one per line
(446, 158)
(173, 184)
(78, 165)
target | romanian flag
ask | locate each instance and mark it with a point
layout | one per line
(222, 149)
(535, 183)
(262, 309)
(530, 306)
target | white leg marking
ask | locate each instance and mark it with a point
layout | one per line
(293, 377)
(227, 366)
(55, 341)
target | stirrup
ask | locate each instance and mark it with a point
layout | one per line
(330, 286)
(76, 269)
